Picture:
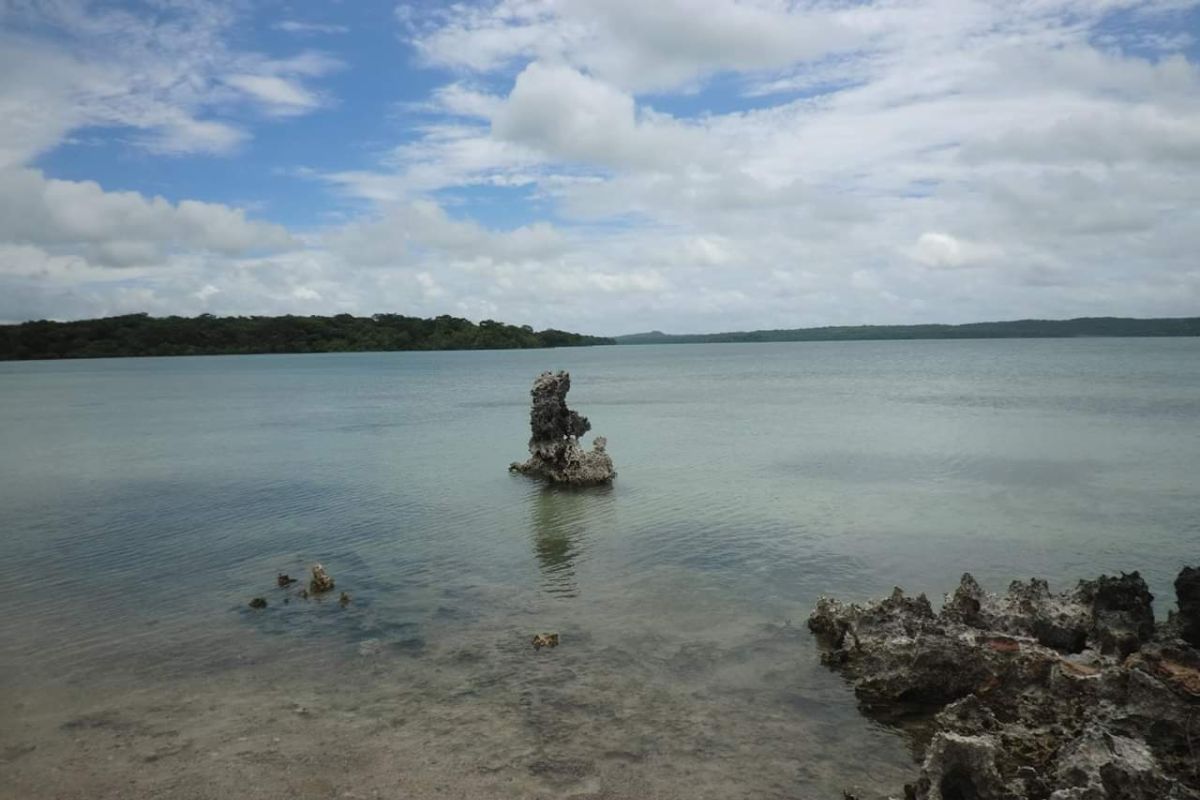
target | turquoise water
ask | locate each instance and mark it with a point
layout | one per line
(144, 502)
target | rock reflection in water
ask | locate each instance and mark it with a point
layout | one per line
(562, 522)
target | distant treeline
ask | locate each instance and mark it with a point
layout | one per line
(143, 335)
(1019, 329)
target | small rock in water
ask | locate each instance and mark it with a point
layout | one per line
(258, 602)
(545, 640)
(284, 580)
(344, 600)
(321, 582)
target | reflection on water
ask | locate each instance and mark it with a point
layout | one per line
(562, 522)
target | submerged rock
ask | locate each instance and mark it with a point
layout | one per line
(321, 582)
(1033, 695)
(258, 602)
(344, 600)
(545, 640)
(554, 450)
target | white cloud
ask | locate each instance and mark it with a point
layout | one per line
(567, 114)
(422, 225)
(943, 250)
(309, 28)
(279, 95)
(169, 74)
(460, 99)
(446, 155)
(941, 135)
(122, 228)
(170, 132)
(1105, 134)
(635, 44)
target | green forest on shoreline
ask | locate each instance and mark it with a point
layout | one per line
(143, 335)
(1017, 329)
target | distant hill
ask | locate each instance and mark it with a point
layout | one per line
(143, 335)
(1018, 329)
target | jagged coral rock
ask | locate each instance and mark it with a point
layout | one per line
(541, 640)
(964, 766)
(1113, 615)
(1072, 696)
(1101, 764)
(321, 582)
(554, 450)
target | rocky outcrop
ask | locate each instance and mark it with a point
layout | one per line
(1033, 695)
(1113, 615)
(541, 640)
(321, 582)
(554, 450)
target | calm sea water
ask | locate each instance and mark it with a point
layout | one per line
(144, 502)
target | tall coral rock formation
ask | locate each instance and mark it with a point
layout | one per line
(554, 450)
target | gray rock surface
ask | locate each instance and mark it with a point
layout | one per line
(555, 454)
(321, 581)
(1033, 695)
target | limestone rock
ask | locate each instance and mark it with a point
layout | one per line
(958, 766)
(1100, 764)
(321, 582)
(1032, 695)
(554, 450)
(541, 640)
(1113, 615)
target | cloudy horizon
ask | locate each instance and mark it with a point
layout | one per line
(603, 166)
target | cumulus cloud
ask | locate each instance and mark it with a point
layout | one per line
(568, 115)
(391, 238)
(121, 228)
(634, 44)
(918, 138)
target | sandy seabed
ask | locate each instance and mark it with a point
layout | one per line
(475, 714)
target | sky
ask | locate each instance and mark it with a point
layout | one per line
(604, 166)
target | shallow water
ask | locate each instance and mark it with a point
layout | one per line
(144, 502)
